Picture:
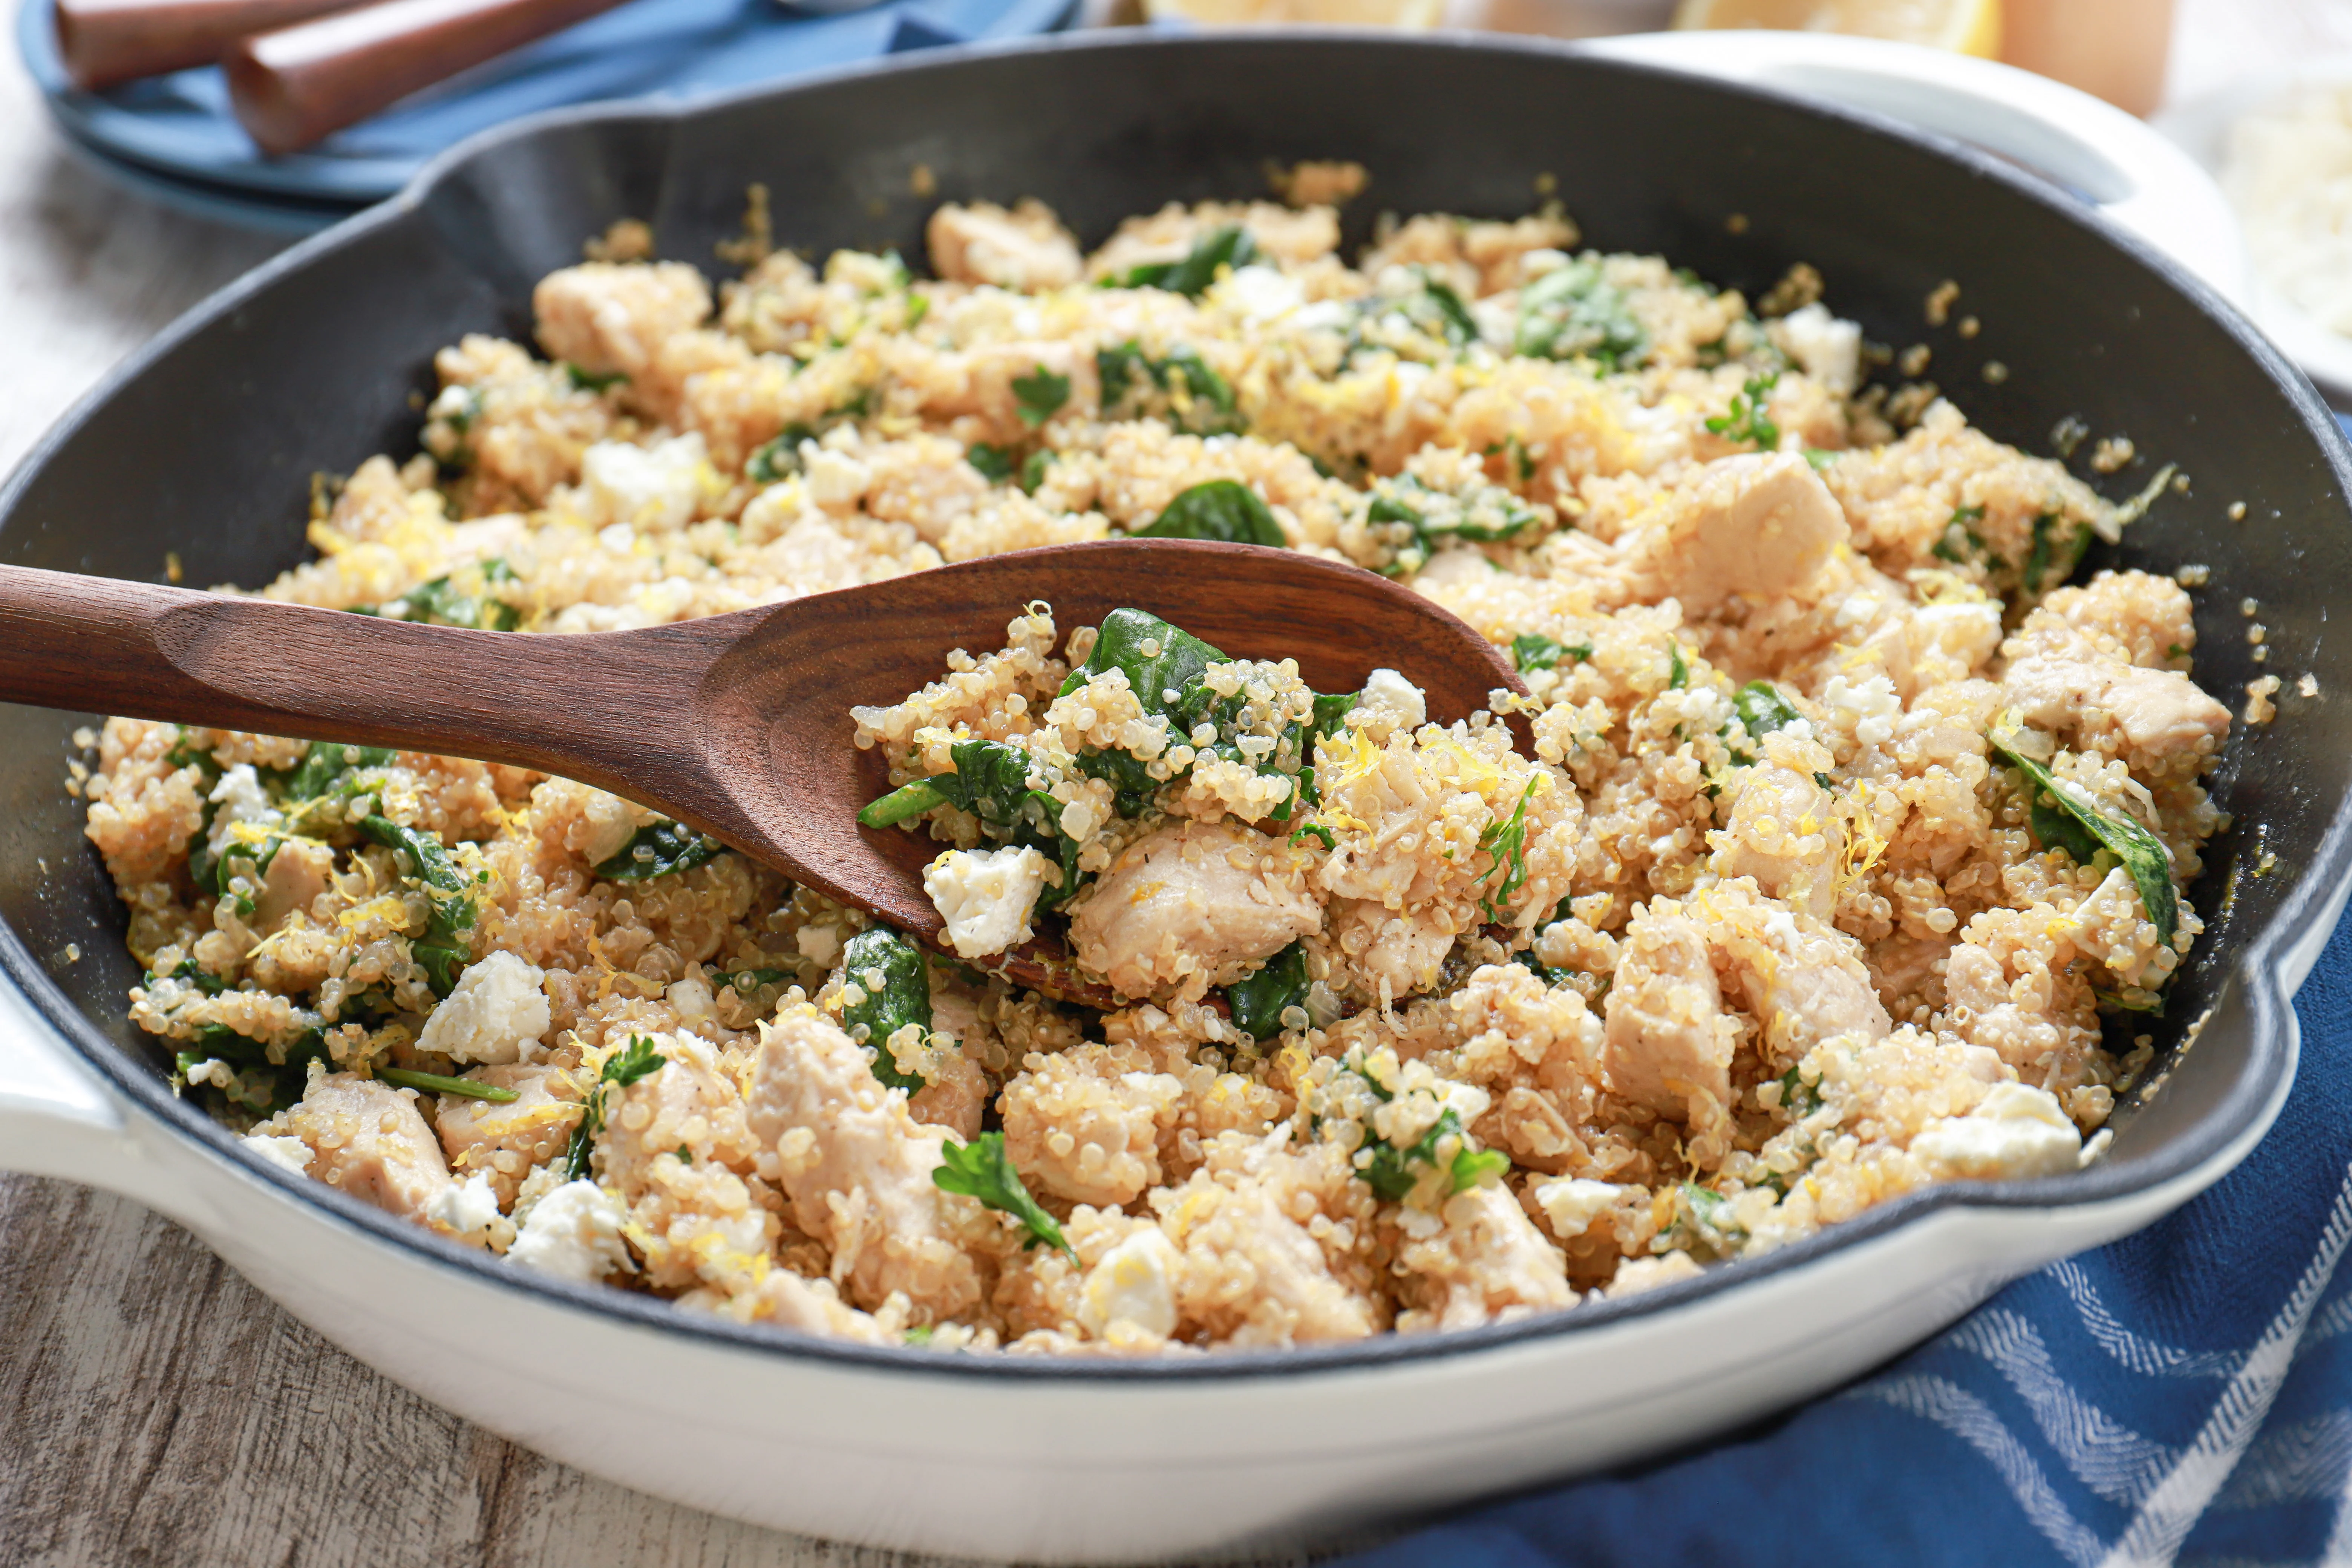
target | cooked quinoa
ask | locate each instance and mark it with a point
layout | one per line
(1844, 825)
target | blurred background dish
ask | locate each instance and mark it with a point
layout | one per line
(174, 135)
(2281, 146)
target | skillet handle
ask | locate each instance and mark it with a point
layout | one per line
(2094, 152)
(57, 1119)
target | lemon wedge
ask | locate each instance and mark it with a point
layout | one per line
(1967, 27)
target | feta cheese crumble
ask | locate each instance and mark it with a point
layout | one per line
(286, 1153)
(1389, 702)
(1135, 1283)
(496, 1009)
(985, 897)
(573, 1233)
(466, 1208)
(649, 488)
(2015, 1131)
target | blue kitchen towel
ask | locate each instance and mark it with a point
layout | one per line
(2183, 1396)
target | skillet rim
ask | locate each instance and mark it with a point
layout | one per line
(2271, 1020)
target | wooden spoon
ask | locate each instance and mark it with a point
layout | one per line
(737, 725)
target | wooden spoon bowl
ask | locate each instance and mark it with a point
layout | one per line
(737, 725)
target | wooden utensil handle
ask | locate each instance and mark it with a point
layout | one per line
(104, 43)
(558, 704)
(293, 87)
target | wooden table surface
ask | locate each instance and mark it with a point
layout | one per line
(155, 1409)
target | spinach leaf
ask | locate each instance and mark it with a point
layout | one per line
(1199, 401)
(590, 381)
(659, 850)
(895, 991)
(438, 1083)
(637, 1060)
(1223, 509)
(1960, 543)
(1487, 514)
(1573, 313)
(1258, 1001)
(440, 602)
(992, 780)
(444, 950)
(1033, 468)
(1392, 1172)
(1507, 841)
(1798, 1098)
(1039, 395)
(2073, 825)
(994, 463)
(191, 973)
(325, 765)
(1530, 651)
(979, 1170)
(1762, 710)
(1230, 246)
(1159, 678)
(2058, 547)
(1745, 420)
(780, 458)
(1677, 672)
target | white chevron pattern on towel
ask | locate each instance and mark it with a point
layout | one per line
(2172, 1487)
(1965, 1417)
(2109, 1458)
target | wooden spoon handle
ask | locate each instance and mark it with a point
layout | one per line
(292, 87)
(575, 706)
(104, 43)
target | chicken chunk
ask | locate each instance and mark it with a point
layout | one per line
(1760, 524)
(368, 1139)
(857, 1168)
(504, 1140)
(1026, 248)
(1667, 1042)
(611, 318)
(298, 872)
(1085, 1125)
(1487, 1262)
(1194, 904)
(1781, 834)
(1253, 1274)
(2159, 713)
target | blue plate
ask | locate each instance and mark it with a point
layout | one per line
(177, 129)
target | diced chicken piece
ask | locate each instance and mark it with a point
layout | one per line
(298, 872)
(689, 1107)
(1487, 1261)
(1803, 979)
(1085, 1125)
(1252, 1276)
(505, 1139)
(493, 1016)
(1636, 1275)
(368, 1139)
(611, 318)
(1405, 952)
(1781, 834)
(1194, 904)
(1667, 1044)
(2160, 713)
(857, 1168)
(1026, 248)
(1758, 524)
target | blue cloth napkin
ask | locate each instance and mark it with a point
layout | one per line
(2184, 1395)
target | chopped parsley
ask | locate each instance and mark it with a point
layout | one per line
(1747, 420)
(1507, 841)
(979, 1170)
(637, 1060)
(1531, 652)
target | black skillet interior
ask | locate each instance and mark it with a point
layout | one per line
(207, 446)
